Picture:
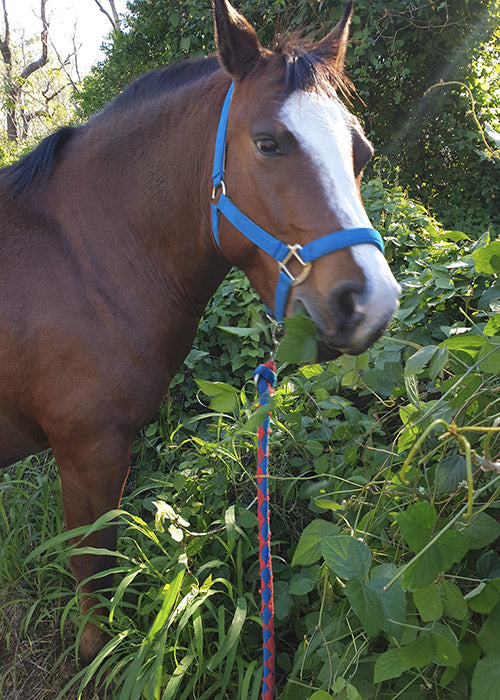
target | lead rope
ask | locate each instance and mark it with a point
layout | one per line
(265, 380)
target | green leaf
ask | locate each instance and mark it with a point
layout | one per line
(327, 504)
(393, 601)
(416, 523)
(258, 416)
(493, 326)
(366, 604)
(171, 592)
(308, 549)
(301, 584)
(232, 636)
(445, 651)
(487, 259)
(174, 18)
(247, 519)
(346, 556)
(342, 689)
(450, 472)
(481, 531)
(392, 663)
(428, 602)
(486, 678)
(489, 356)
(223, 397)
(320, 695)
(438, 362)
(482, 598)
(410, 433)
(488, 637)
(419, 652)
(389, 665)
(455, 236)
(419, 360)
(300, 344)
(283, 601)
(240, 332)
(468, 342)
(411, 385)
(447, 550)
(454, 604)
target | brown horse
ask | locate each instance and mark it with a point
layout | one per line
(108, 258)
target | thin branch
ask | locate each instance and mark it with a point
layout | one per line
(75, 53)
(113, 17)
(493, 152)
(64, 62)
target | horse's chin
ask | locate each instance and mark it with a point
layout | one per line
(325, 352)
(328, 349)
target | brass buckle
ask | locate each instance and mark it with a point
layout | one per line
(293, 253)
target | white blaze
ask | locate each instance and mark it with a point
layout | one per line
(320, 124)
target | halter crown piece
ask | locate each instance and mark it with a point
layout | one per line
(281, 252)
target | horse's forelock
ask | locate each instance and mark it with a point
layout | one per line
(307, 69)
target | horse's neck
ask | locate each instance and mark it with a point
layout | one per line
(146, 176)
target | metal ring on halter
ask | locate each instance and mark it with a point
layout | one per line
(294, 254)
(222, 186)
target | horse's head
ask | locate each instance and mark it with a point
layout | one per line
(294, 160)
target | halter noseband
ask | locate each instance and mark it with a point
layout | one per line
(281, 252)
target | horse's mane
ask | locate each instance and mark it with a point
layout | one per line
(163, 80)
(305, 70)
(39, 161)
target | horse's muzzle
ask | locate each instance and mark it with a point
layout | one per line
(351, 320)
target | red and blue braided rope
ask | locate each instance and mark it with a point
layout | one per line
(265, 380)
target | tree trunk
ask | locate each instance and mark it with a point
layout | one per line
(13, 86)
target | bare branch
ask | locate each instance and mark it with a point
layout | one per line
(113, 17)
(76, 49)
(65, 62)
(42, 60)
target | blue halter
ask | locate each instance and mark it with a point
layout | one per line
(278, 250)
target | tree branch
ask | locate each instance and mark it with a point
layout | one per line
(5, 43)
(42, 60)
(113, 17)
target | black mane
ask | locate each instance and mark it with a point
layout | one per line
(39, 161)
(163, 80)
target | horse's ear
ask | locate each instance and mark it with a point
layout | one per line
(333, 47)
(238, 47)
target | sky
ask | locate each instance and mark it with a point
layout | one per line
(92, 25)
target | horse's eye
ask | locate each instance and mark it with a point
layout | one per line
(267, 146)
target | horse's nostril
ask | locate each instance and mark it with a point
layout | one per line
(344, 304)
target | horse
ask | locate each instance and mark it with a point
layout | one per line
(116, 233)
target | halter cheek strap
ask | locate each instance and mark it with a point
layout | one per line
(281, 252)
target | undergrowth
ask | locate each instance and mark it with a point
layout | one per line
(384, 494)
